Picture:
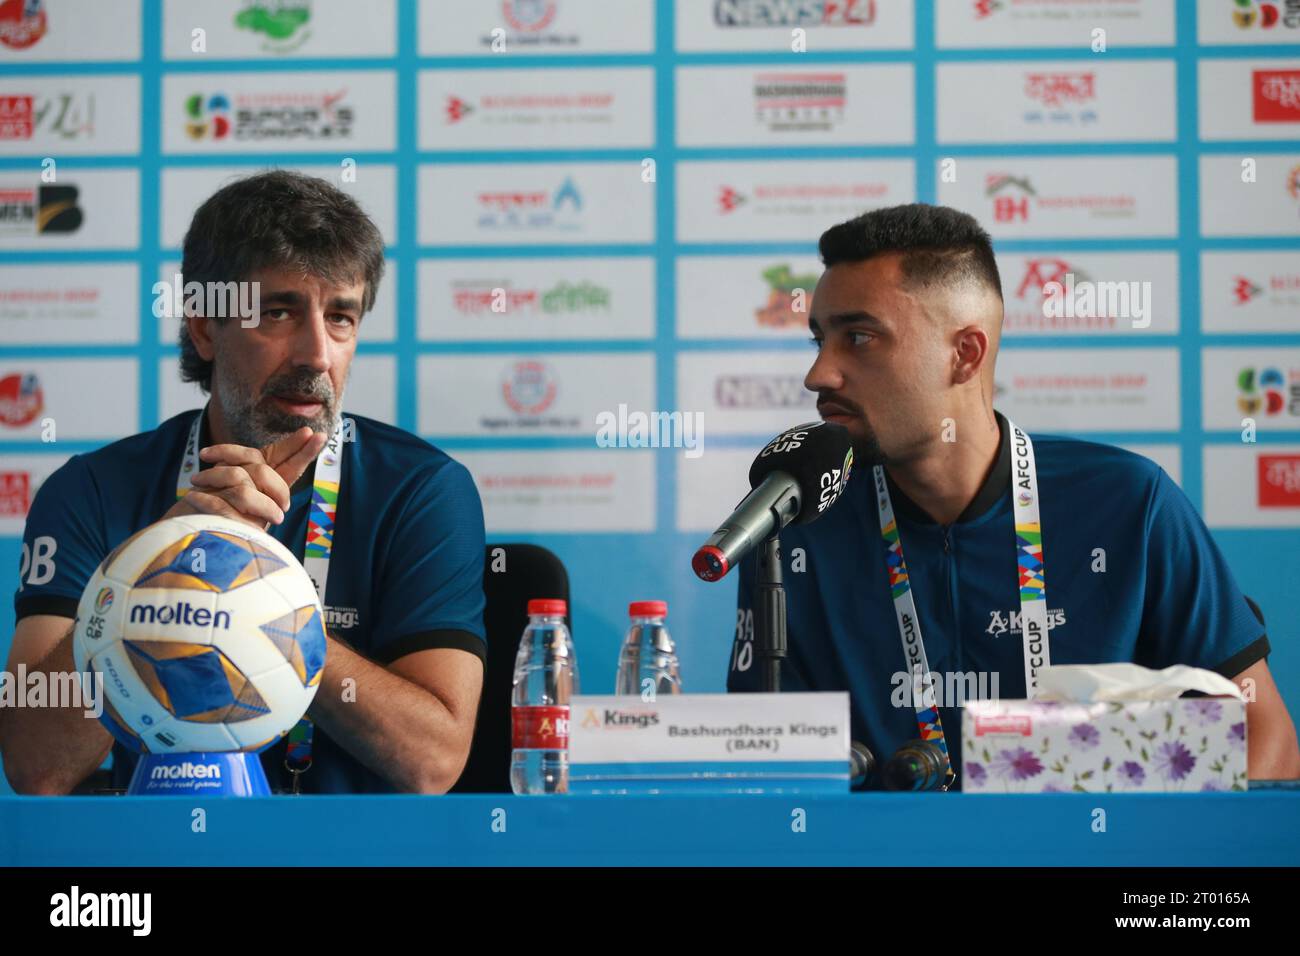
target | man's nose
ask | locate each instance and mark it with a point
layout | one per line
(824, 376)
(311, 345)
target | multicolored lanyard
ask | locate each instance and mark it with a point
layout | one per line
(316, 553)
(1033, 589)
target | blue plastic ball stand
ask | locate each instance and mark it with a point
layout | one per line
(199, 774)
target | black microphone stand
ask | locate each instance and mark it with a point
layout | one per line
(769, 611)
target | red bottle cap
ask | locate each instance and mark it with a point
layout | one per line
(647, 609)
(549, 606)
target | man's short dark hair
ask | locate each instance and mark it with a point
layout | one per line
(276, 220)
(940, 246)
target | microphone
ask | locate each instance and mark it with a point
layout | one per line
(917, 765)
(795, 478)
(862, 765)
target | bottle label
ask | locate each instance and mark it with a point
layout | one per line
(540, 728)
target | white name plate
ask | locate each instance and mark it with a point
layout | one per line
(710, 728)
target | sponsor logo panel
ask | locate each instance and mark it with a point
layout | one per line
(69, 115)
(1249, 99)
(1035, 23)
(1267, 206)
(745, 297)
(548, 394)
(1056, 101)
(1087, 390)
(535, 27)
(563, 492)
(73, 30)
(281, 29)
(277, 112)
(536, 109)
(76, 303)
(746, 393)
(34, 392)
(766, 25)
(1111, 275)
(783, 201)
(828, 103)
(1262, 384)
(476, 204)
(84, 209)
(483, 300)
(1250, 291)
(1020, 198)
(1248, 22)
(1252, 486)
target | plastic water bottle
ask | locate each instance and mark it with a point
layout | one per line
(546, 677)
(647, 664)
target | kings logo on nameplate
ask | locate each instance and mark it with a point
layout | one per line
(710, 743)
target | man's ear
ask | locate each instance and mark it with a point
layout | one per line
(200, 329)
(972, 351)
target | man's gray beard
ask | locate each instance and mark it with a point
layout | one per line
(255, 427)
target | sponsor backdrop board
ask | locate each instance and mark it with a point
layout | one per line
(597, 210)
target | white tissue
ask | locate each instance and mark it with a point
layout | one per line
(1098, 682)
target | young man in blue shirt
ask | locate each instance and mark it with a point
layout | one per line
(396, 704)
(929, 564)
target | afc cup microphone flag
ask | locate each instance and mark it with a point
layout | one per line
(796, 477)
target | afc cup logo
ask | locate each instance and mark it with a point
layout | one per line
(103, 600)
(1024, 499)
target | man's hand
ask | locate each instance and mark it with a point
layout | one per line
(250, 484)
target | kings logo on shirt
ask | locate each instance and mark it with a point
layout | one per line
(1000, 623)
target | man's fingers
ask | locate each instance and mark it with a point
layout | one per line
(201, 502)
(221, 476)
(291, 468)
(279, 452)
(271, 484)
(262, 477)
(231, 455)
(251, 503)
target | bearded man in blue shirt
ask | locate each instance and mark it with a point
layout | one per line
(935, 560)
(402, 578)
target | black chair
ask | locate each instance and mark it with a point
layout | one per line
(513, 574)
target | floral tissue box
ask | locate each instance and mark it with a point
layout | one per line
(1037, 746)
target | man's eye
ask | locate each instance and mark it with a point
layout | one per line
(815, 343)
(343, 319)
(276, 315)
(858, 338)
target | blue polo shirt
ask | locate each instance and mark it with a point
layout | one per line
(1131, 571)
(406, 571)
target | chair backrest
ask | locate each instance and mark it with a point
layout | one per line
(513, 574)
